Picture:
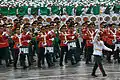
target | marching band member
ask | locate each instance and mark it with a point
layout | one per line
(15, 24)
(117, 48)
(84, 34)
(16, 39)
(52, 36)
(89, 45)
(49, 39)
(25, 42)
(4, 47)
(110, 42)
(63, 44)
(56, 41)
(72, 39)
(41, 46)
(43, 42)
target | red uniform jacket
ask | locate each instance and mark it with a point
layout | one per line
(62, 38)
(72, 36)
(51, 35)
(3, 41)
(84, 33)
(118, 35)
(88, 38)
(104, 35)
(110, 38)
(40, 40)
(25, 38)
(16, 40)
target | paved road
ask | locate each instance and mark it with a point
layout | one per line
(80, 71)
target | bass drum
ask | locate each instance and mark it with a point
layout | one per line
(114, 19)
(85, 18)
(101, 19)
(107, 18)
(94, 19)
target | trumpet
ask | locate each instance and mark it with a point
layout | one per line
(65, 35)
(44, 39)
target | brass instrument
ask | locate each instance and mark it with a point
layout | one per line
(65, 35)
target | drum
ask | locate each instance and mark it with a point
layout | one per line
(93, 18)
(49, 50)
(71, 44)
(107, 18)
(85, 18)
(24, 50)
(114, 18)
(116, 46)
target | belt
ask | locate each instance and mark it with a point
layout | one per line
(98, 49)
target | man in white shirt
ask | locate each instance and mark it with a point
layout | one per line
(98, 46)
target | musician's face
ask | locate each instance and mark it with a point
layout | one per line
(63, 29)
(34, 25)
(43, 30)
(27, 25)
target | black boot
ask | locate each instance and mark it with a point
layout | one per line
(94, 75)
(104, 75)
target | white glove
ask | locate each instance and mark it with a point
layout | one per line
(11, 36)
(65, 42)
(27, 32)
(45, 44)
(42, 36)
(20, 45)
(111, 50)
(28, 41)
(114, 35)
(49, 32)
(3, 33)
(52, 39)
(73, 37)
(6, 35)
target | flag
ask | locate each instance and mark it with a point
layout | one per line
(23, 10)
(61, 10)
(107, 10)
(44, 11)
(4, 10)
(116, 8)
(96, 9)
(55, 10)
(34, 10)
(79, 10)
(12, 11)
(89, 10)
(69, 10)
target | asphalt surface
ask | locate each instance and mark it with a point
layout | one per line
(80, 71)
